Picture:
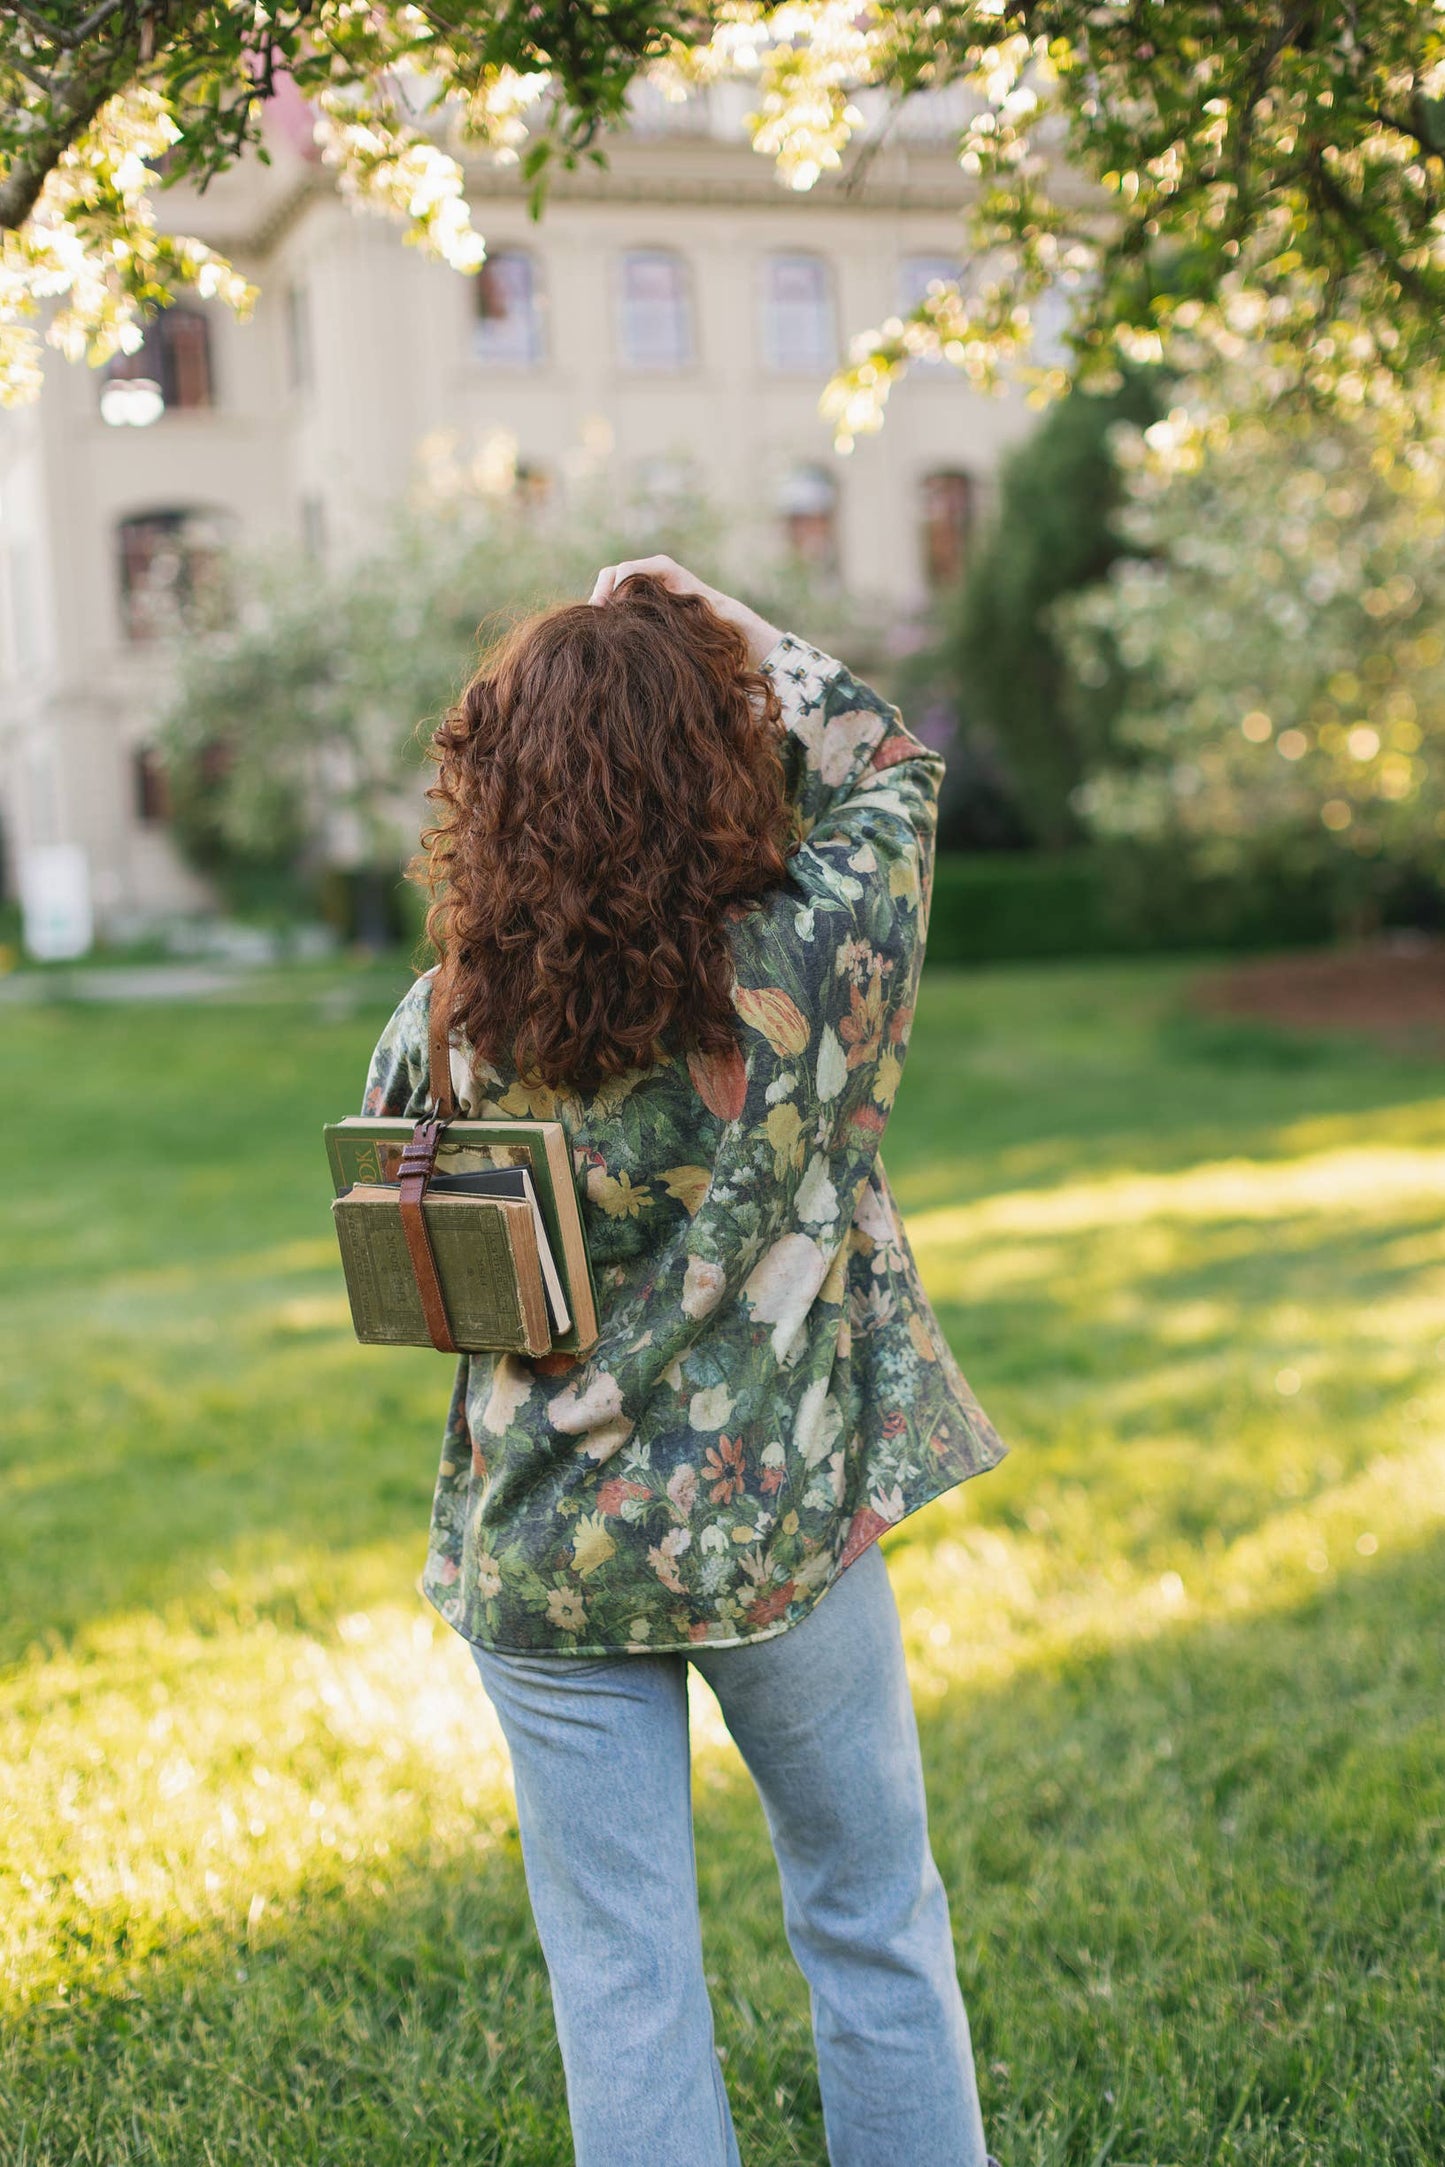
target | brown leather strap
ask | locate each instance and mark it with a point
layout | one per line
(418, 1160)
(442, 1097)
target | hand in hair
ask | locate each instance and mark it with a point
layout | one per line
(761, 636)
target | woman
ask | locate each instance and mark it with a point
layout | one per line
(680, 880)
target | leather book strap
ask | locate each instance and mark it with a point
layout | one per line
(418, 1161)
(442, 1096)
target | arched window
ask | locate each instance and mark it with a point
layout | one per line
(799, 338)
(655, 310)
(915, 275)
(298, 338)
(150, 786)
(808, 508)
(174, 356)
(313, 526)
(508, 328)
(946, 502)
(170, 569)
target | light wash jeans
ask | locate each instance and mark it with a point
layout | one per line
(823, 1717)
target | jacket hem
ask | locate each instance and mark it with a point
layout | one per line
(990, 1455)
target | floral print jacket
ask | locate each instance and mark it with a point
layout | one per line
(771, 1389)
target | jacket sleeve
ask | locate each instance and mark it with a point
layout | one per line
(835, 731)
(827, 978)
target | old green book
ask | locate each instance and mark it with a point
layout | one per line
(366, 1149)
(486, 1259)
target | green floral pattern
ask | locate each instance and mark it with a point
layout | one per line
(771, 1389)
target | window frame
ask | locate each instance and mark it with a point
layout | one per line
(798, 523)
(938, 581)
(772, 346)
(157, 359)
(130, 592)
(537, 354)
(687, 302)
(300, 339)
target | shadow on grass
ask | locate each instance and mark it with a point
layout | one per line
(149, 1474)
(1197, 1906)
(1034, 1078)
(195, 1425)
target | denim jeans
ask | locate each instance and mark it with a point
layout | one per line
(823, 1718)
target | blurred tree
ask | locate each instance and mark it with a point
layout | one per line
(1054, 533)
(1271, 171)
(1283, 633)
(294, 737)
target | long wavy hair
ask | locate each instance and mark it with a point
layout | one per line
(611, 795)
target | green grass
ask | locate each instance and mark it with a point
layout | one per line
(1178, 1661)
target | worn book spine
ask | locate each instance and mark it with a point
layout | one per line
(366, 1148)
(576, 1265)
(487, 1262)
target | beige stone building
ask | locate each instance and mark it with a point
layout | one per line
(675, 315)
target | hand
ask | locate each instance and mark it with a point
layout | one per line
(761, 636)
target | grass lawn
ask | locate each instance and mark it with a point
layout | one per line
(1178, 1662)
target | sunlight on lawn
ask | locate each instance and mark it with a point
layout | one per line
(173, 1775)
(1131, 1249)
(260, 1892)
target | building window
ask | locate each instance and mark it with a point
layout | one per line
(298, 338)
(947, 506)
(151, 787)
(798, 331)
(508, 328)
(808, 508)
(656, 310)
(915, 275)
(313, 526)
(170, 566)
(172, 363)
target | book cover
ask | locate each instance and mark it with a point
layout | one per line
(367, 1149)
(515, 1181)
(486, 1258)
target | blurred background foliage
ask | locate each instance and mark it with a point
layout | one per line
(1196, 674)
(296, 734)
(1280, 620)
(1191, 687)
(1056, 531)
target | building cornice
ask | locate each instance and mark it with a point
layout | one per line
(887, 177)
(697, 170)
(674, 170)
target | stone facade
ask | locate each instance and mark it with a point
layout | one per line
(675, 314)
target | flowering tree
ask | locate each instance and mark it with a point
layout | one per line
(1273, 170)
(1282, 631)
(295, 727)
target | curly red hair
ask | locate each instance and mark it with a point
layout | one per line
(612, 792)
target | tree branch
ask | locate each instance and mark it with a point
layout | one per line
(74, 101)
(1355, 219)
(68, 40)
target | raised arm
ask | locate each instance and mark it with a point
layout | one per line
(827, 980)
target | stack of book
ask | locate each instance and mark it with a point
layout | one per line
(505, 1229)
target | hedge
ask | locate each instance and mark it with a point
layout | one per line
(1015, 905)
(1006, 906)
